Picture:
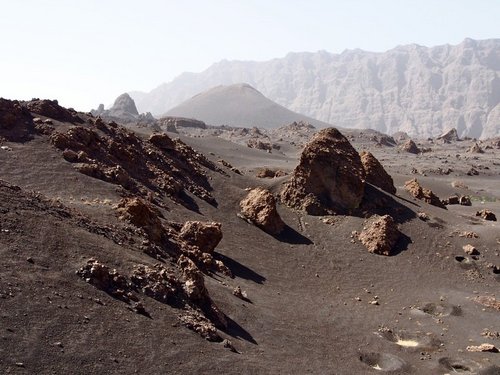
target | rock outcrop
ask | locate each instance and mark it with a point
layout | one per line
(380, 235)
(144, 216)
(259, 207)
(449, 136)
(486, 215)
(376, 174)
(475, 149)
(52, 109)
(16, 122)
(329, 177)
(203, 235)
(417, 191)
(411, 147)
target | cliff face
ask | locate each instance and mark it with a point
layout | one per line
(422, 91)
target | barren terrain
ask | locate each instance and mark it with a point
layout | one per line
(314, 300)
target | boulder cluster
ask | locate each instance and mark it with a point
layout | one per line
(417, 191)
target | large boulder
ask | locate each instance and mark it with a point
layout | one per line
(380, 235)
(329, 177)
(203, 235)
(419, 192)
(449, 136)
(259, 207)
(16, 122)
(52, 109)
(411, 147)
(376, 174)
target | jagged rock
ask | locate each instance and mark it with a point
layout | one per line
(329, 177)
(142, 215)
(201, 325)
(103, 278)
(419, 192)
(423, 216)
(204, 235)
(464, 200)
(475, 149)
(483, 348)
(270, 173)
(471, 250)
(259, 207)
(237, 292)
(52, 109)
(472, 172)
(16, 123)
(488, 301)
(376, 174)
(454, 199)
(124, 105)
(259, 145)
(449, 136)
(486, 215)
(162, 141)
(411, 147)
(158, 282)
(380, 235)
(180, 122)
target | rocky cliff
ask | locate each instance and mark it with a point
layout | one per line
(419, 90)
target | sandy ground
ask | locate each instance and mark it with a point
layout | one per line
(310, 293)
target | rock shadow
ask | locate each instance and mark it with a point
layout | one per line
(401, 245)
(376, 201)
(291, 236)
(239, 269)
(235, 330)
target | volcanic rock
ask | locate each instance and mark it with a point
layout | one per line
(103, 278)
(52, 109)
(411, 147)
(270, 173)
(483, 348)
(156, 282)
(449, 136)
(16, 123)
(464, 200)
(259, 145)
(259, 206)
(204, 235)
(380, 235)
(376, 174)
(475, 149)
(329, 177)
(470, 250)
(454, 199)
(486, 215)
(419, 192)
(142, 215)
(124, 105)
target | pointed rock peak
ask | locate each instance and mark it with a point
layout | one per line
(124, 103)
(449, 136)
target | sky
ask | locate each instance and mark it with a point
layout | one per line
(86, 52)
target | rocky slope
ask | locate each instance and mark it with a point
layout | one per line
(422, 91)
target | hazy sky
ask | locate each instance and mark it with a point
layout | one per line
(84, 52)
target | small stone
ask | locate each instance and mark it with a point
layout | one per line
(470, 250)
(482, 348)
(374, 302)
(30, 260)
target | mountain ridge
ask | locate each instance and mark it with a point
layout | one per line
(420, 90)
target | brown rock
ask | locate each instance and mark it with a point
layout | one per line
(419, 192)
(270, 173)
(329, 177)
(52, 109)
(259, 206)
(471, 250)
(486, 215)
(454, 199)
(142, 215)
(483, 348)
(475, 149)
(376, 174)
(488, 301)
(103, 278)
(16, 123)
(203, 235)
(162, 141)
(201, 325)
(380, 235)
(464, 200)
(259, 145)
(411, 147)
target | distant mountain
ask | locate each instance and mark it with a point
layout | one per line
(238, 105)
(422, 91)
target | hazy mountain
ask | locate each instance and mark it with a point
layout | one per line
(422, 91)
(238, 105)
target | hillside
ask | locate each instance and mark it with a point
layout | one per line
(127, 252)
(238, 105)
(422, 91)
